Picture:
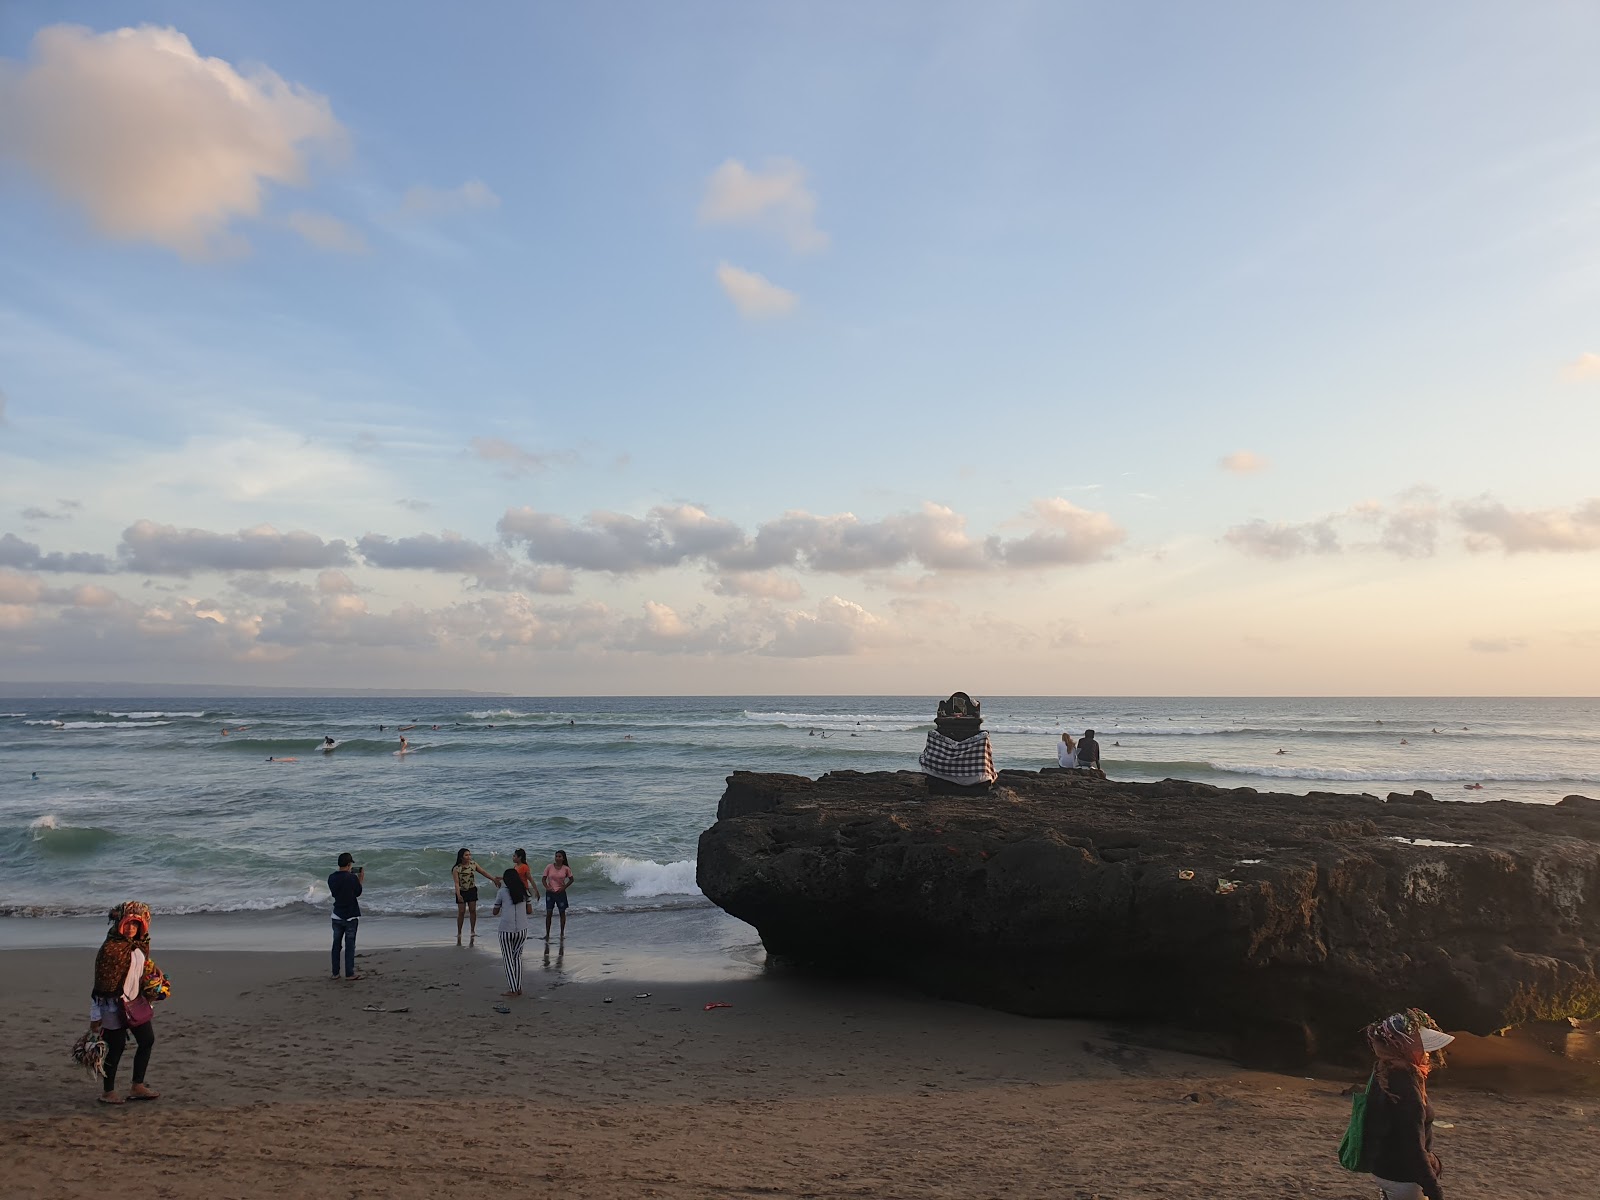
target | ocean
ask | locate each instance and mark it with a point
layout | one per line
(146, 798)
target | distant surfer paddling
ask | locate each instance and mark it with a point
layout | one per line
(329, 745)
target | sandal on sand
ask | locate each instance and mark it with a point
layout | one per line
(147, 1094)
(110, 1098)
(501, 1008)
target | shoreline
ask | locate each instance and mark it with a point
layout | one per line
(276, 1080)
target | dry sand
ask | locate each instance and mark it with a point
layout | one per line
(278, 1082)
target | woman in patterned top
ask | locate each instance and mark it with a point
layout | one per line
(464, 878)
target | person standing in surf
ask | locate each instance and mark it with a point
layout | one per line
(557, 879)
(464, 878)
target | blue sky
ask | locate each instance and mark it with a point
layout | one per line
(726, 348)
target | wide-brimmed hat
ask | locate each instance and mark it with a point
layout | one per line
(1411, 1022)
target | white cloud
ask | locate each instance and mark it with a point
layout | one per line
(1243, 462)
(512, 458)
(757, 585)
(1281, 540)
(755, 296)
(424, 201)
(1065, 534)
(451, 553)
(1497, 645)
(775, 200)
(157, 143)
(1490, 524)
(152, 549)
(934, 537)
(327, 232)
(1585, 367)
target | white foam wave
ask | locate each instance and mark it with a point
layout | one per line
(642, 877)
(146, 716)
(857, 722)
(100, 724)
(40, 825)
(485, 714)
(1401, 774)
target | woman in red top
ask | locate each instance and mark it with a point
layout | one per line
(557, 879)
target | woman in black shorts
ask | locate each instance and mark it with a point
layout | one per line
(464, 878)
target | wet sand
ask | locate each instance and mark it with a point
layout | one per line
(277, 1082)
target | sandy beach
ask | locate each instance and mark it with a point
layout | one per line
(276, 1081)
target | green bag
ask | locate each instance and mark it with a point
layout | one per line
(1351, 1147)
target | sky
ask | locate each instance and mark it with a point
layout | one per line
(825, 348)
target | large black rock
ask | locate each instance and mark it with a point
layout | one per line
(1061, 894)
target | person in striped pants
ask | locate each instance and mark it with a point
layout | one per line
(513, 904)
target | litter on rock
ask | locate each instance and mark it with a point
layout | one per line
(717, 1004)
(1185, 874)
(1224, 886)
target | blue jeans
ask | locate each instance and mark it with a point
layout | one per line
(344, 930)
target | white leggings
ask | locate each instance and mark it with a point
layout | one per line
(1388, 1189)
(511, 951)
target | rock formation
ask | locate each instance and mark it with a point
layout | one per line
(1291, 919)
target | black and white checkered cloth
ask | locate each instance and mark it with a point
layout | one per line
(966, 763)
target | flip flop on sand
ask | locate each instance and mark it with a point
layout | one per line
(110, 1098)
(144, 1094)
(501, 1008)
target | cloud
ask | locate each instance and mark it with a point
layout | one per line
(755, 296)
(1280, 540)
(327, 232)
(1583, 368)
(427, 552)
(837, 627)
(34, 513)
(615, 542)
(14, 552)
(152, 549)
(775, 200)
(934, 537)
(1497, 645)
(1490, 524)
(513, 459)
(757, 585)
(157, 143)
(1409, 529)
(1243, 462)
(424, 201)
(1406, 527)
(1067, 534)
(416, 506)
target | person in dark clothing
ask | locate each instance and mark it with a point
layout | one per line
(345, 886)
(1088, 751)
(1397, 1142)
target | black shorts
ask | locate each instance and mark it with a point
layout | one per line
(469, 896)
(554, 901)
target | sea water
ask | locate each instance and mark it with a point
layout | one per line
(147, 798)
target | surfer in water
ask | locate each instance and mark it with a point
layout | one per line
(404, 745)
(328, 743)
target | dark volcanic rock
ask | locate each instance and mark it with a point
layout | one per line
(1061, 894)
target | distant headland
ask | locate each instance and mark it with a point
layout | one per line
(96, 690)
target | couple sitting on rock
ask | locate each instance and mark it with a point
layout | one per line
(1082, 755)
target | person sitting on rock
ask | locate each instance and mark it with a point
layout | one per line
(1089, 751)
(1067, 752)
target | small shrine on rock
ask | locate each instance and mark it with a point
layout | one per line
(958, 752)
